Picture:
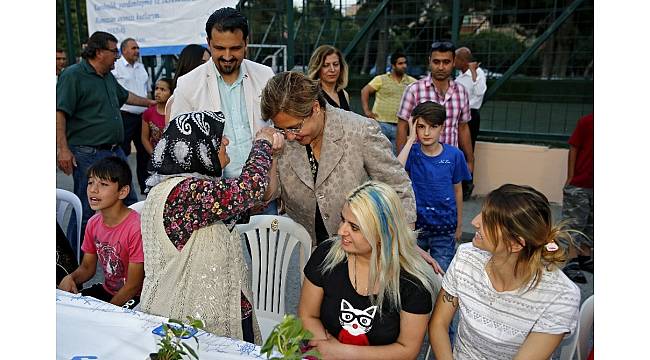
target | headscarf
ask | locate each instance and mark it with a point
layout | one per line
(189, 146)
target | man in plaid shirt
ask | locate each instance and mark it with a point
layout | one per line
(440, 88)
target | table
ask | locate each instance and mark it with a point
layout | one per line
(87, 328)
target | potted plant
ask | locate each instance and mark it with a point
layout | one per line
(171, 345)
(290, 339)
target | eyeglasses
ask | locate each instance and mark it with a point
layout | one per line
(292, 130)
(114, 51)
(348, 317)
(443, 45)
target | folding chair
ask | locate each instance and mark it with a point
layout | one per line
(138, 206)
(65, 199)
(585, 328)
(577, 343)
(272, 240)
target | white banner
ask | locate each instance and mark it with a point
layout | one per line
(159, 26)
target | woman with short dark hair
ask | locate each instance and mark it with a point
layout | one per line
(328, 152)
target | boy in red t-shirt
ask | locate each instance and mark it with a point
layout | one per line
(578, 201)
(112, 236)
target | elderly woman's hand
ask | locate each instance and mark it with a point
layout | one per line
(275, 138)
(265, 133)
(278, 143)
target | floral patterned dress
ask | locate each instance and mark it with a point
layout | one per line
(195, 203)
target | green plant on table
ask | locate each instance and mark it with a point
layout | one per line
(171, 346)
(289, 339)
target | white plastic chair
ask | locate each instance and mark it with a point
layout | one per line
(577, 343)
(65, 199)
(272, 240)
(138, 206)
(585, 326)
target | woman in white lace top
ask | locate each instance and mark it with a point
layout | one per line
(513, 299)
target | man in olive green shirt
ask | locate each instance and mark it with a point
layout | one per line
(388, 89)
(88, 121)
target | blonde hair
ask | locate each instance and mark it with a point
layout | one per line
(292, 93)
(382, 221)
(318, 59)
(515, 213)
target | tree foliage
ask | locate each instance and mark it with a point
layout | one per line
(409, 25)
(79, 24)
(495, 50)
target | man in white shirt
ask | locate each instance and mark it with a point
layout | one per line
(228, 83)
(473, 79)
(131, 74)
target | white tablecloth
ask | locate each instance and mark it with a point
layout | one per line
(87, 328)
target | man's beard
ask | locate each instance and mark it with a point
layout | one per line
(441, 75)
(227, 69)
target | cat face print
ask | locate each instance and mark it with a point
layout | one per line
(355, 321)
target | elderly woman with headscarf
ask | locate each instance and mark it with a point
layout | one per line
(194, 264)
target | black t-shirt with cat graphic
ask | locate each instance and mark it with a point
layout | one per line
(351, 317)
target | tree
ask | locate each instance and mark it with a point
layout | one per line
(79, 24)
(494, 49)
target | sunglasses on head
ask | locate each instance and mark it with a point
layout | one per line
(442, 45)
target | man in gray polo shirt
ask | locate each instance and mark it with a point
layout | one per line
(88, 121)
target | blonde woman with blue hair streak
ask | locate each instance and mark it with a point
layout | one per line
(368, 293)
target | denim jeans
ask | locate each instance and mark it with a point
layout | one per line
(271, 208)
(132, 130)
(85, 156)
(390, 130)
(441, 247)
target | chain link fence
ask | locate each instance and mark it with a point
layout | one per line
(541, 101)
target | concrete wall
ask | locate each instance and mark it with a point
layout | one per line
(538, 166)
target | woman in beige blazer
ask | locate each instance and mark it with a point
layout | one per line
(328, 153)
